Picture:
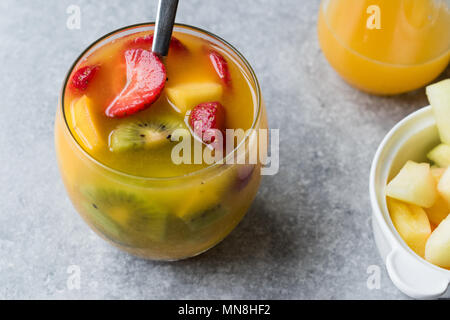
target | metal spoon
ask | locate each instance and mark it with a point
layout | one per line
(167, 9)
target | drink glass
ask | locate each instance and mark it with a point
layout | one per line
(226, 190)
(386, 46)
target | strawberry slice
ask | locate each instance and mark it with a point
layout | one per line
(147, 40)
(206, 118)
(146, 77)
(221, 66)
(83, 76)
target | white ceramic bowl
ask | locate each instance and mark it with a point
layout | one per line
(410, 139)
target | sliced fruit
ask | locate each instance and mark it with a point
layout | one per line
(200, 199)
(105, 225)
(146, 77)
(438, 212)
(186, 96)
(85, 123)
(136, 220)
(245, 173)
(439, 97)
(202, 207)
(147, 41)
(205, 218)
(443, 186)
(441, 208)
(437, 173)
(440, 155)
(414, 184)
(437, 249)
(221, 66)
(205, 118)
(82, 77)
(411, 223)
(144, 134)
(203, 198)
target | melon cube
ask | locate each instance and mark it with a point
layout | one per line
(437, 250)
(438, 212)
(439, 97)
(411, 223)
(186, 96)
(440, 155)
(84, 123)
(443, 186)
(414, 184)
(437, 173)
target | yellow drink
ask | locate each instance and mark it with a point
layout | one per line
(386, 46)
(139, 200)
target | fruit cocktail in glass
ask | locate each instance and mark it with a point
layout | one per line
(119, 120)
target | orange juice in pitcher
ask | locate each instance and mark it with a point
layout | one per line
(386, 46)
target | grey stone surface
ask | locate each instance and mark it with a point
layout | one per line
(307, 235)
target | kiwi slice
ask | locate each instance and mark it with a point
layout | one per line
(125, 218)
(144, 134)
(203, 219)
(103, 223)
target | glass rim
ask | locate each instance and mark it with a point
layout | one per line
(171, 178)
(397, 65)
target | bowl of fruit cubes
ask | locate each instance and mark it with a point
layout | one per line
(410, 197)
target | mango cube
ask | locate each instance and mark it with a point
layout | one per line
(414, 184)
(187, 96)
(437, 250)
(439, 97)
(84, 123)
(411, 223)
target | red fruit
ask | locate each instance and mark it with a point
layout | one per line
(244, 175)
(221, 66)
(147, 40)
(83, 76)
(207, 116)
(146, 77)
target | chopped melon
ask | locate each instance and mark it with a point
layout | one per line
(187, 96)
(438, 212)
(414, 184)
(440, 155)
(411, 223)
(444, 185)
(84, 122)
(439, 97)
(437, 173)
(437, 250)
(441, 208)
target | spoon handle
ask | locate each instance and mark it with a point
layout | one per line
(165, 19)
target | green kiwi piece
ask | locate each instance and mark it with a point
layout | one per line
(125, 218)
(144, 134)
(203, 219)
(106, 225)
